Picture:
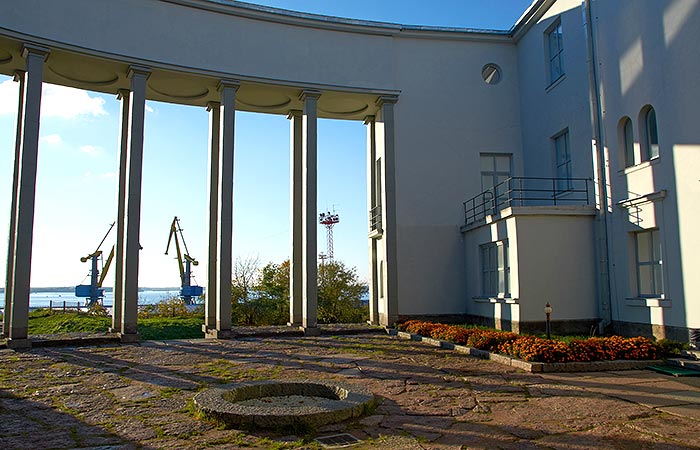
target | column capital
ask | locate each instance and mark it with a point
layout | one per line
(231, 84)
(37, 50)
(213, 105)
(122, 93)
(369, 119)
(294, 113)
(18, 75)
(309, 93)
(139, 71)
(387, 100)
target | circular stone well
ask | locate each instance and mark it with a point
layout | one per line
(273, 404)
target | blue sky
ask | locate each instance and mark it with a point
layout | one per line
(76, 188)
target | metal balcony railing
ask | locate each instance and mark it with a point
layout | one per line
(527, 191)
(375, 218)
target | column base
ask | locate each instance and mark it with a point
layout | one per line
(213, 333)
(129, 338)
(294, 324)
(114, 330)
(311, 331)
(19, 344)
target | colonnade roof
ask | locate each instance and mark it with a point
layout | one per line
(81, 66)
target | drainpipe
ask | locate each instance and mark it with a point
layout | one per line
(600, 174)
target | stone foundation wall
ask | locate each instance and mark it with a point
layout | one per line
(680, 334)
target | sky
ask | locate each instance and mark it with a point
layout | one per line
(78, 151)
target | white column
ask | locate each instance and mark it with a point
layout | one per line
(224, 248)
(132, 219)
(212, 296)
(391, 286)
(309, 216)
(24, 195)
(123, 96)
(372, 203)
(9, 275)
(296, 212)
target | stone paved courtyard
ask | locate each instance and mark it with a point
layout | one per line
(138, 396)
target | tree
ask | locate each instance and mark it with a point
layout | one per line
(246, 273)
(340, 294)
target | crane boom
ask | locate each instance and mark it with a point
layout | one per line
(93, 291)
(184, 262)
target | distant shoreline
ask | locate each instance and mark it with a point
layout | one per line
(36, 290)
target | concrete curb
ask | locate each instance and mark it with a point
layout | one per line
(534, 367)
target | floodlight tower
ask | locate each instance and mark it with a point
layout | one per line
(328, 219)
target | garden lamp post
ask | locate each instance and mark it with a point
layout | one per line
(548, 313)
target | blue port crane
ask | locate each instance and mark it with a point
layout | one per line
(93, 292)
(185, 263)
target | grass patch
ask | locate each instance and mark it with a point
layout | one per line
(164, 328)
(43, 321)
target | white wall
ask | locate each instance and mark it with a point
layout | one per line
(445, 117)
(648, 54)
(547, 109)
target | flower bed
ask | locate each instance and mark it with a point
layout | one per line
(535, 349)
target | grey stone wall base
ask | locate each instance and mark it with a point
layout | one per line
(311, 331)
(631, 329)
(213, 333)
(19, 344)
(535, 367)
(129, 338)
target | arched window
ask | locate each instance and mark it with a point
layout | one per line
(626, 142)
(650, 138)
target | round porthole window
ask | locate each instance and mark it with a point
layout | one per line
(491, 73)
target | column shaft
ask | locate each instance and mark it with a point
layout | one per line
(212, 294)
(23, 214)
(386, 110)
(9, 275)
(228, 91)
(296, 212)
(132, 224)
(372, 203)
(124, 98)
(309, 216)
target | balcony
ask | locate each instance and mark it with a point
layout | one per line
(527, 191)
(375, 220)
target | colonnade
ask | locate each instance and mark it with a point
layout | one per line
(303, 217)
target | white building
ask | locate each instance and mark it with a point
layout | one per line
(556, 162)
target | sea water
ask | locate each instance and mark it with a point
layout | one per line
(56, 298)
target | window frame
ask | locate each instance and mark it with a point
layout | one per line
(494, 269)
(655, 261)
(649, 139)
(564, 182)
(554, 56)
(626, 142)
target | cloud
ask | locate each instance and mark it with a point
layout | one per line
(149, 108)
(69, 103)
(91, 150)
(8, 97)
(51, 139)
(56, 101)
(108, 175)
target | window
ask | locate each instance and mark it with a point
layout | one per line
(649, 264)
(555, 51)
(491, 73)
(562, 158)
(651, 135)
(495, 169)
(495, 271)
(626, 140)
